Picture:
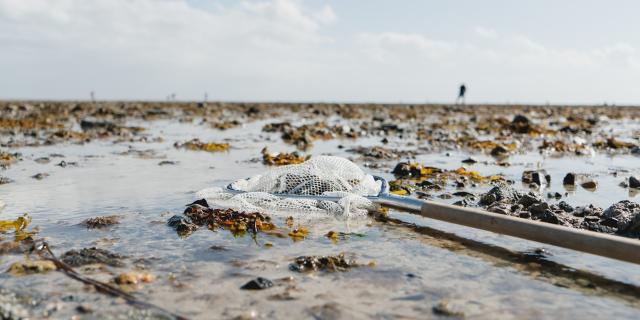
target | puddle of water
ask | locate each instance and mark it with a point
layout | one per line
(413, 270)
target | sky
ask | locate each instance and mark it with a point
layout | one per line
(409, 51)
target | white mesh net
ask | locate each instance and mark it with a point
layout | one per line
(319, 176)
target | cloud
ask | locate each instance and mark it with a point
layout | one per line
(155, 45)
(282, 50)
(382, 46)
(486, 33)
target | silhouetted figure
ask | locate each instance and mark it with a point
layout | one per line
(463, 90)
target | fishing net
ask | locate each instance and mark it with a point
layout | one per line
(319, 176)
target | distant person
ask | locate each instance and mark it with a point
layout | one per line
(463, 90)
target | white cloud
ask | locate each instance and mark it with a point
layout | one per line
(382, 46)
(281, 50)
(487, 33)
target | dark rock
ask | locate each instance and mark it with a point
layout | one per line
(5, 180)
(552, 195)
(40, 176)
(499, 151)
(539, 209)
(520, 119)
(202, 202)
(621, 215)
(538, 177)
(322, 263)
(258, 283)
(445, 196)
(589, 210)
(589, 185)
(167, 163)
(529, 199)
(90, 256)
(463, 194)
(565, 207)
(500, 208)
(569, 179)
(469, 160)
(101, 222)
(634, 182)
(501, 192)
(406, 170)
(182, 225)
(87, 125)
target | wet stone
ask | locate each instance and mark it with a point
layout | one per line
(469, 161)
(101, 222)
(40, 176)
(257, 284)
(322, 263)
(622, 215)
(569, 179)
(589, 210)
(590, 185)
(5, 180)
(92, 255)
(634, 183)
(501, 192)
(182, 225)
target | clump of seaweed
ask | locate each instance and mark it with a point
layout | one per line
(198, 145)
(282, 158)
(323, 263)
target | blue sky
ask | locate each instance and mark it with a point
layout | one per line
(316, 50)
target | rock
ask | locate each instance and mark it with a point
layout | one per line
(202, 202)
(406, 170)
(40, 176)
(442, 309)
(90, 256)
(635, 150)
(569, 179)
(537, 176)
(90, 124)
(182, 225)
(634, 183)
(469, 161)
(538, 209)
(589, 185)
(501, 192)
(500, 208)
(622, 215)
(529, 199)
(520, 119)
(258, 283)
(101, 222)
(589, 210)
(42, 160)
(5, 180)
(27, 267)
(167, 163)
(554, 195)
(322, 263)
(565, 207)
(499, 151)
